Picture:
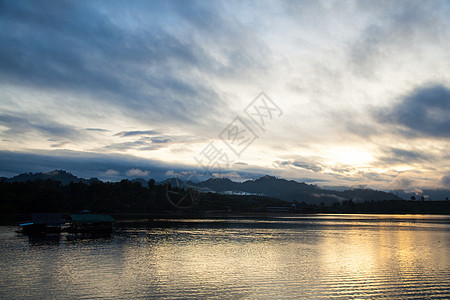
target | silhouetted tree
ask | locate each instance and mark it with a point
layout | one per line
(151, 184)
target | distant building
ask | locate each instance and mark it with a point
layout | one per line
(278, 209)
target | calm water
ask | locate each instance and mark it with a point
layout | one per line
(319, 256)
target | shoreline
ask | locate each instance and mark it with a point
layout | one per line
(14, 219)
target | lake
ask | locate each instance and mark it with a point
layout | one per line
(286, 257)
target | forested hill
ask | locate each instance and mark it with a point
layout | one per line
(51, 192)
(290, 190)
(287, 190)
(56, 175)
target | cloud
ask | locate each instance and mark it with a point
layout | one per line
(59, 145)
(402, 182)
(20, 125)
(111, 172)
(136, 132)
(308, 166)
(152, 69)
(393, 29)
(82, 164)
(312, 166)
(137, 173)
(140, 145)
(422, 112)
(181, 173)
(336, 197)
(96, 129)
(176, 139)
(160, 140)
(146, 143)
(135, 77)
(230, 175)
(199, 174)
(392, 156)
(413, 181)
(445, 181)
(170, 173)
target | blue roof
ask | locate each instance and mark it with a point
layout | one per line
(91, 218)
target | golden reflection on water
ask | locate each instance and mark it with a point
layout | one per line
(389, 258)
(299, 257)
(368, 257)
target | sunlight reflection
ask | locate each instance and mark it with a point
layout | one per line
(314, 256)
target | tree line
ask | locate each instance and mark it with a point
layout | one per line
(114, 197)
(131, 197)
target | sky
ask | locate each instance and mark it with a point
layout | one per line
(348, 93)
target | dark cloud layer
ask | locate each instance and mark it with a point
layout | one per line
(393, 156)
(102, 166)
(423, 112)
(156, 71)
(19, 124)
(79, 163)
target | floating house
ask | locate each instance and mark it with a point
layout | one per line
(90, 223)
(42, 223)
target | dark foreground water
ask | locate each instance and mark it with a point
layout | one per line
(319, 256)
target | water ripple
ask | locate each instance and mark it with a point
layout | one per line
(315, 257)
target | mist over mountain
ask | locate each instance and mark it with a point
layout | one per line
(291, 190)
(428, 194)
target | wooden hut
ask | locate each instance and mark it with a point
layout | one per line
(42, 223)
(90, 223)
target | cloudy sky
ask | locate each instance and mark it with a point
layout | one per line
(354, 92)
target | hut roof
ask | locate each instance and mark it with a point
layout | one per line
(91, 218)
(47, 218)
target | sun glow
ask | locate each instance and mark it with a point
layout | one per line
(353, 156)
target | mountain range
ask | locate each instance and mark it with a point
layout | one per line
(291, 190)
(57, 175)
(270, 186)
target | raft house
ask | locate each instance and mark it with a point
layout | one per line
(90, 223)
(42, 223)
